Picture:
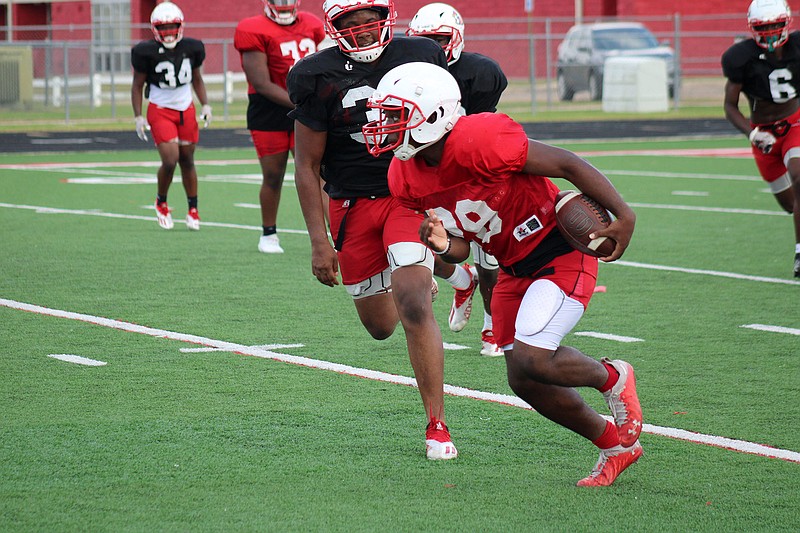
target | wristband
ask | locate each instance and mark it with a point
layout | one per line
(446, 249)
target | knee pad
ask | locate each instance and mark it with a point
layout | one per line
(541, 302)
(546, 315)
(380, 283)
(402, 254)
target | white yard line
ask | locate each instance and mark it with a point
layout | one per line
(77, 359)
(607, 336)
(702, 209)
(772, 329)
(712, 440)
(680, 175)
(86, 167)
(84, 212)
(715, 273)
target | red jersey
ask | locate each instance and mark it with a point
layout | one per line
(284, 46)
(479, 190)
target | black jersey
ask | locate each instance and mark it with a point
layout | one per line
(168, 68)
(761, 74)
(480, 80)
(330, 92)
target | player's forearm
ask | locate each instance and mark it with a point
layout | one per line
(136, 100)
(274, 93)
(308, 192)
(199, 86)
(595, 184)
(736, 118)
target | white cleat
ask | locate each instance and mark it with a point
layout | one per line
(163, 215)
(193, 219)
(461, 309)
(269, 244)
(489, 348)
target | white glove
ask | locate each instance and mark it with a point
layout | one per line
(763, 140)
(205, 114)
(141, 127)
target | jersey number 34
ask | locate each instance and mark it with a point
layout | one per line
(169, 78)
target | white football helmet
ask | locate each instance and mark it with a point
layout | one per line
(167, 13)
(769, 22)
(443, 20)
(347, 39)
(284, 12)
(417, 101)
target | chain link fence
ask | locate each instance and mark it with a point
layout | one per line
(71, 69)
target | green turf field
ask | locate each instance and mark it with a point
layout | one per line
(219, 407)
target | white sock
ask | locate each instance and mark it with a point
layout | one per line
(461, 278)
(797, 248)
(487, 321)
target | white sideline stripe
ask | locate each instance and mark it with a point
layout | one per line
(772, 329)
(147, 164)
(690, 193)
(258, 346)
(450, 346)
(248, 206)
(94, 212)
(706, 272)
(712, 209)
(722, 442)
(608, 336)
(69, 358)
(445, 345)
(147, 179)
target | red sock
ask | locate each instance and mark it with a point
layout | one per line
(613, 377)
(609, 438)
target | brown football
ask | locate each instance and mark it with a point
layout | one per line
(577, 216)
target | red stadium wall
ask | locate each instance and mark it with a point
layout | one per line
(213, 11)
(506, 37)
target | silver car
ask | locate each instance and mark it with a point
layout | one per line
(584, 50)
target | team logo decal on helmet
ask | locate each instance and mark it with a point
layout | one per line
(418, 102)
(284, 12)
(769, 20)
(167, 14)
(363, 43)
(439, 20)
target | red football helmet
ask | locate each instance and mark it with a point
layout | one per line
(769, 21)
(284, 12)
(167, 13)
(346, 38)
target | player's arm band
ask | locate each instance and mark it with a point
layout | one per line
(446, 248)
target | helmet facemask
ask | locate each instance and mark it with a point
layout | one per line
(284, 12)
(769, 21)
(167, 14)
(440, 20)
(347, 38)
(418, 103)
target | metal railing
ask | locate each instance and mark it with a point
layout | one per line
(69, 69)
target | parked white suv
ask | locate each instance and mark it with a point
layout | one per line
(584, 50)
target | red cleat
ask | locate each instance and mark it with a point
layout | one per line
(611, 464)
(437, 441)
(624, 403)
